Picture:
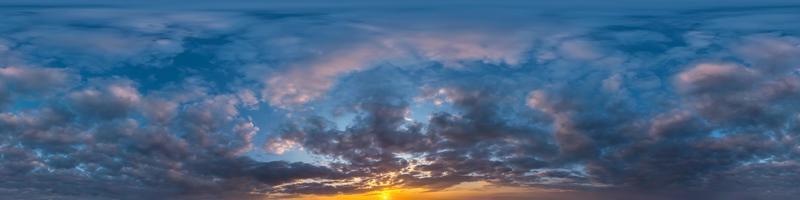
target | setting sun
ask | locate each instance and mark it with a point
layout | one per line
(386, 195)
(470, 190)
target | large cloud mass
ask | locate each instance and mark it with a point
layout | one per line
(188, 102)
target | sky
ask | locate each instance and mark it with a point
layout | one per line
(384, 100)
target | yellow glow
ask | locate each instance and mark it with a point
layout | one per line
(470, 190)
(386, 195)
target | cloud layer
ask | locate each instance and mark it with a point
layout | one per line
(125, 101)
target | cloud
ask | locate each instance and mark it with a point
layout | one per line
(771, 53)
(32, 81)
(123, 102)
(111, 100)
(302, 84)
(715, 78)
(368, 46)
(35, 80)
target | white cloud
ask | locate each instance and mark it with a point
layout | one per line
(279, 146)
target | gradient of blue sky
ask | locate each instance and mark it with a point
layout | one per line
(663, 99)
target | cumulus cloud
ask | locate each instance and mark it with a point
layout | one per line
(113, 99)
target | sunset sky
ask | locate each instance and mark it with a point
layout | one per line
(383, 100)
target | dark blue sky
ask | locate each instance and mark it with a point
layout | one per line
(193, 100)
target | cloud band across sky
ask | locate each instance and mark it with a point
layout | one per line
(116, 101)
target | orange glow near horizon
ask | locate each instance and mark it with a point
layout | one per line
(471, 190)
(386, 195)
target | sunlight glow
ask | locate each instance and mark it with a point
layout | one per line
(386, 195)
(468, 190)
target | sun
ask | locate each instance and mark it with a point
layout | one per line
(386, 195)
